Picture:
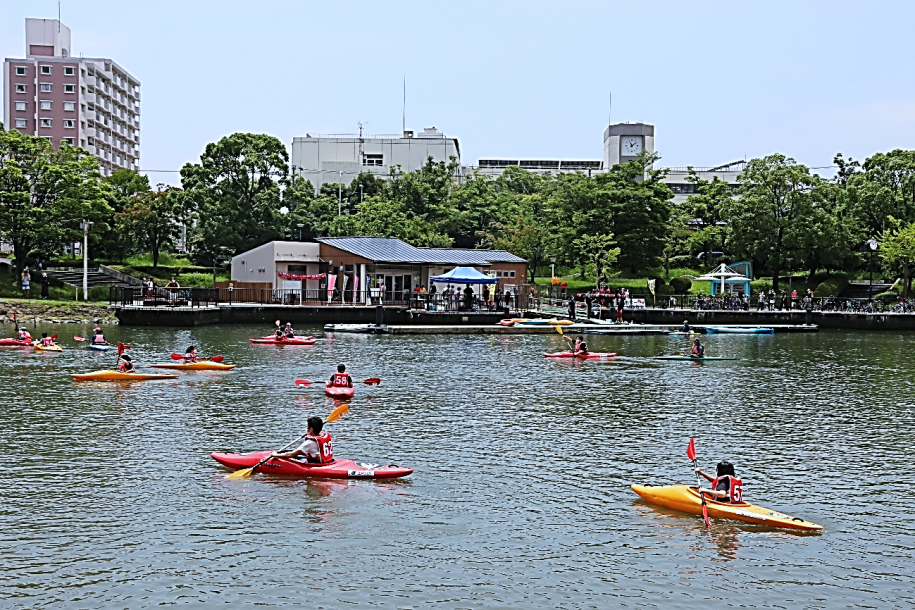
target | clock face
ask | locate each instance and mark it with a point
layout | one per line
(631, 145)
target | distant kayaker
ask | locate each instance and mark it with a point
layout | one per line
(341, 379)
(698, 349)
(280, 334)
(23, 334)
(726, 487)
(125, 365)
(317, 446)
(289, 333)
(190, 355)
(579, 346)
(685, 328)
(97, 337)
(46, 340)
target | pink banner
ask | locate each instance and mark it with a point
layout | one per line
(330, 286)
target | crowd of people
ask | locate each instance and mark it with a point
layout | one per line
(454, 298)
(605, 298)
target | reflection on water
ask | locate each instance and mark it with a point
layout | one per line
(520, 498)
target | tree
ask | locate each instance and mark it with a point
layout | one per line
(599, 250)
(703, 210)
(236, 192)
(774, 204)
(885, 189)
(897, 247)
(124, 185)
(45, 194)
(151, 219)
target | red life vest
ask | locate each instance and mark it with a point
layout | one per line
(124, 367)
(190, 357)
(47, 341)
(325, 448)
(342, 380)
(24, 335)
(735, 488)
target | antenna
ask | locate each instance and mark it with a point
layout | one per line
(404, 127)
(610, 109)
(58, 16)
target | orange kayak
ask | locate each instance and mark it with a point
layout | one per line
(119, 376)
(203, 365)
(686, 498)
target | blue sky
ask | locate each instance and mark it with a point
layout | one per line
(719, 80)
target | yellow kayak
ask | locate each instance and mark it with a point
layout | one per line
(556, 322)
(119, 376)
(48, 348)
(686, 498)
(203, 365)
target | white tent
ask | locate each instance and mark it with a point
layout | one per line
(722, 273)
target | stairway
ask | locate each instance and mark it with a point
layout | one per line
(864, 291)
(94, 278)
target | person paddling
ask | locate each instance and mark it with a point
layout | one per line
(280, 334)
(579, 347)
(686, 328)
(190, 355)
(726, 487)
(289, 333)
(698, 349)
(23, 334)
(46, 341)
(97, 337)
(125, 364)
(341, 379)
(317, 446)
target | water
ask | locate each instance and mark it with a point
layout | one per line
(520, 499)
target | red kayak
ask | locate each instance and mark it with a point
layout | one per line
(338, 392)
(270, 340)
(338, 469)
(588, 356)
(15, 343)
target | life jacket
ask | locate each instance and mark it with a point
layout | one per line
(325, 448)
(735, 489)
(98, 339)
(342, 380)
(698, 350)
(190, 357)
(24, 335)
(47, 341)
(577, 345)
(289, 334)
(125, 367)
(279, 333)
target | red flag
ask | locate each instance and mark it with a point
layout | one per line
(691, 450)
(122, 348)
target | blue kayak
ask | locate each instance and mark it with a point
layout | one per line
(743, 330)
(101, 348)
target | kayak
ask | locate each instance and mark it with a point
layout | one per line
(119, 376)
(680, 332)
(203, 365)
(704, 358)
(99, 347)
(743, 330)
(686, 499)
(588, 356)
(16, 343)
(556, 322)
(340, 393)
(48, 348)
(356, 328)
(532, 321)
(507, 322)
(309, 340)
(338, 469)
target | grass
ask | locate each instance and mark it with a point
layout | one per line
(165, 260)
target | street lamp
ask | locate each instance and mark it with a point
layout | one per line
(84, 225)
(791, 301)
(216, 258)
(361, 198)
(872, 246)
(552, 273)
(300, 225)
(340, 193)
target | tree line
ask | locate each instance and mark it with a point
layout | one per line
(241, 194)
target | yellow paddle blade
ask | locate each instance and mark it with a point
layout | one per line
(559, 329)
(241, 474)
(337, 413)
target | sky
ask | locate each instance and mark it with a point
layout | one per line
(720, 81)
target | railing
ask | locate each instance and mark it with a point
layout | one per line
(159, 296)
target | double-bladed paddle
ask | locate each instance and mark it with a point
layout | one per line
(245, 473)
(369, 381)
(691, 454)
(213, 359)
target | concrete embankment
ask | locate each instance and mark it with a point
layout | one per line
(822, 319)
(34, 312)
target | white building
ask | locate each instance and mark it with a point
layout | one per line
(337, 159)
(262, 264)
(92, 103)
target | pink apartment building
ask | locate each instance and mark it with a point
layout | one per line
(92, 103)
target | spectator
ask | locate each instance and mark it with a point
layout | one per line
(761, 302)
(572, 309)
(794, 298)
(37, 265)
(173, 287)
(588, 302)
(26, 281)
(45, 286)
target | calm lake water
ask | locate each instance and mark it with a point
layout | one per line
(520, 499)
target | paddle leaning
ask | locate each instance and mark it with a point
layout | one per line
(691, 454)
(245, 473)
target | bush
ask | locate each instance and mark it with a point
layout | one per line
(681, 285)
(662, 289)
(890, 296)
(829, 287)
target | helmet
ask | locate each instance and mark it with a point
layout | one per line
(96, 330)
(23, 328)
(288, 323)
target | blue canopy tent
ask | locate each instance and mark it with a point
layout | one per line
(464, 275)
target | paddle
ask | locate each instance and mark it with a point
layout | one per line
(691, 454)
(78, 338)
(245, 473)
(369, 381)
(213, 359)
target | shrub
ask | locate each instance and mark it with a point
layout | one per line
(890, 296)
(829, 287)
(681, 285)
(662, 289)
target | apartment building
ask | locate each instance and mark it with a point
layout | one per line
(93, 103)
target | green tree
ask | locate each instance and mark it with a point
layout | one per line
(235, 191)
(124, 185)
(897, 247)
(599, 250)
(884, 189)
(44, 194)
(151, 219)
(704, 212)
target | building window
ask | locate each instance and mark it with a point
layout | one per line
(45, 69)
(70, 141)
(45, 105)
(45, 122)
(70, 106)
(22, 123)
(69, 71)
(372, 160)
(45, 87)
(91, 141)
(69, 123)
(69, 88)
(22, 88)
(22, 71)
(21, 106)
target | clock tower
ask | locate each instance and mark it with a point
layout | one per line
(625, 141)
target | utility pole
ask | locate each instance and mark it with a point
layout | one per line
(340, 193)
(85, 227)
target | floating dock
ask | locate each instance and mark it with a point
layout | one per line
(574, 329)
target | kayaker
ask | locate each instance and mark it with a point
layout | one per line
(341, 379)
(685, 328)
(125, 365)
(23, 334)
(698, 349)
(317, 447)
(46, 340)
(280, 334)
(289, 333)
(579, 347)
(190, 355)
(97, 337)
(726, 487)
